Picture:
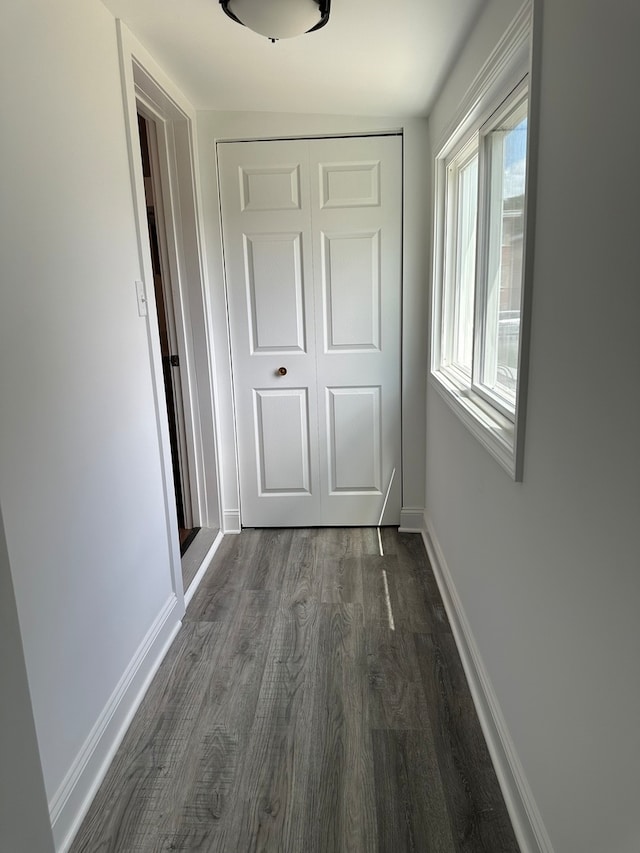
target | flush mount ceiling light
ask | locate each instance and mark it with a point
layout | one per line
(278, 19)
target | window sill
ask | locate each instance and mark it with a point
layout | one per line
(495, 432)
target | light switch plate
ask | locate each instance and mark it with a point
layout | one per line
(141, 295)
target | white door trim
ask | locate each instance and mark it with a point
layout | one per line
(161, 155)
(145, 85)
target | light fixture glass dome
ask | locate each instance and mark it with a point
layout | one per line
(278, 19)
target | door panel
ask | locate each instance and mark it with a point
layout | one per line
(351, 285)
(355, 450)
(312, 241)
(270, 188)
(282, 441)
(350, 184)
(273, 266)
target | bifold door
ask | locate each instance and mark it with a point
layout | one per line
(313, 257)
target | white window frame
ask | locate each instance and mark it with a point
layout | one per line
(499, 86)
(455, 163)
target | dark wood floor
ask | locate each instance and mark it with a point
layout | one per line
(289, 717)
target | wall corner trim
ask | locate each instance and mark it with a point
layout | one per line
(411, 519)
(71, 801)
(523, 810)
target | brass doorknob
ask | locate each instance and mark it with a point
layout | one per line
(282, 371)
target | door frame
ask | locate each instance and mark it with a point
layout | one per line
(229, 126)
(147, 89)
(407, 517)
(159, 136)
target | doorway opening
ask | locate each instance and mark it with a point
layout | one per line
(187, 530)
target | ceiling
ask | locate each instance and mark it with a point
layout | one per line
(374, 57)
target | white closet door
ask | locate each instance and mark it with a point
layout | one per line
(356, 199)
(312, 238)
(264, 189)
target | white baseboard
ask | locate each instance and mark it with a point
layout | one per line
(71, 801)
(411, 519)
(523, 811)
(231, 521)
(195, 583)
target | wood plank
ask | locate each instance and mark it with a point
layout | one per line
(341, 580)
(303, 578)
(231, 694)
(415, 605)
(216, 599)
(411, 808)
(268, 567)
(342, 554)
(378, 580)
(360, 541)
(479, 819)
(222, 729)
(389, 536)
(395, 691)
(419, 584)
(281, 723)
(192, 820)
(340, 793)
(270, 806)
(409, 601)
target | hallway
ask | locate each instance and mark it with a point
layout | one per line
(288, 715)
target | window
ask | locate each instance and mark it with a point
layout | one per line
(479, 271)
(462, 210)
(500, 287)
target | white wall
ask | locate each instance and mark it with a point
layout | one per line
(238, 125)
(24, 816)
(80, 472)
(548, 570)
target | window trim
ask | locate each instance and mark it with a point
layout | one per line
(499, 83)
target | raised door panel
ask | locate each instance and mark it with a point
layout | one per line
(355, 450)
(281, 428)
(350, 184)
(274, 187)
(275, 301)
(351, 289)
